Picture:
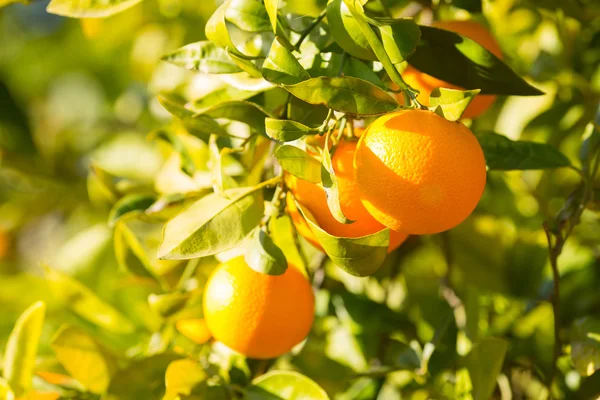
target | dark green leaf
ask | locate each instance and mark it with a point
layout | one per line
(15, 134)
(89, 8)
(330, 185)
(212, 224)
(204, 57)
(21, 348)
(84, 358)
(472, 66)
(473, 6)
(132, 204)
(284, 130)
(451, 103)
(345, 94)
(281, 67)
(243, 111)
(484, 364)
(83, 302)
(248, 15)
(289, 385)
(263, 255)
(360, 256)
(501, 153)
(299, 163)
(346, 31)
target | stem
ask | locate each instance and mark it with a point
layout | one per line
(555, 305)
(350, 127)
(188, 272)
(309, 28)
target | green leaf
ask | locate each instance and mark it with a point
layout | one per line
(5, 392)
(281, 67)
(183, 377)
(345, 94)
(289, 385)
(399, 38)
(472, 66)
(84, 359)
(263, 255)
(187, 163)
(203, 56)
(130, 205)
(221, 181)
(222, 94)
(284, 130)
(89, 8)
(346, 31)
(245, 63)
(272, 8)
(21, 348)
(167, 304)
(243, 111)
(100, 187)
(248, 15)
(299, 163)
(484, 364)
(472, 6)
(143, 378)
(360, 256)
(196, 125)
(332, 65)
(501, 153)
(212, 224)
(283, 234)
(590, 148)
(83, 302)
(451, 103)
(330, 185)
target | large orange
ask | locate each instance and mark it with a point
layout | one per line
(312, 197)
(258, 315)
(418, 172)
(426, 83)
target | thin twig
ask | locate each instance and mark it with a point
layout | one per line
(309, 28)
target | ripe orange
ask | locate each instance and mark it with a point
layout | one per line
(312, 197)
(426, 83)
(418, 172)
(258, 315)
(194, 329)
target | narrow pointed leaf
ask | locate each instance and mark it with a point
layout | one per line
(399, 38)
(216, 29)
(484, 364)
(21, 349)
(281, 67)
(287, 385)
(244, 63)
(272, 7)
(89, 8)
(243, 111)
(284, 130)
(212, 224)
(501, 153)
(451, 103)
(299, 163)
(330, 185)
(203, 56)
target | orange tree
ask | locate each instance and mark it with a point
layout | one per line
(314, 213)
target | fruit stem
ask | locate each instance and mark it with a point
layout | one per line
(309, 28)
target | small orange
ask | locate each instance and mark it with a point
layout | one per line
(258, 315)
(194, 329)
(426, 83)
(312, 197)
(418, 172)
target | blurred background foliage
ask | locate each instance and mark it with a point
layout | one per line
(78, 99)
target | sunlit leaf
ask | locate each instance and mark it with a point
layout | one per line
(203, 56)
(21, 348)
(89, 8)
(284, 130)
(243, 111)
(133, 204)
(345, 94)
(222, 94)
(216, 29)
(272, 8)
(359, 256)
(212, 224)
(263, 255)
(399, 38)
(346, 31)
(84, 359)
(484, 363)
(83, 302)
(501, 153)
(287, 385)
(183, 377)
(299, 163)
(451, 103)
(167, 304)
(245, 63)
(249, 15)
(281, 67)
(331, 186)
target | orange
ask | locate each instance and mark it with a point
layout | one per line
(194, 329)
(312, 197)
(258, 315)
(426, 83)
(418, 172)
(55, 378)
(5, 243)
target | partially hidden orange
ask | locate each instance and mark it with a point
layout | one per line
(419, 173)
(426, 83)
(312, 197)
(258, 315)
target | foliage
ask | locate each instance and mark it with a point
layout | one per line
(144, 142)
